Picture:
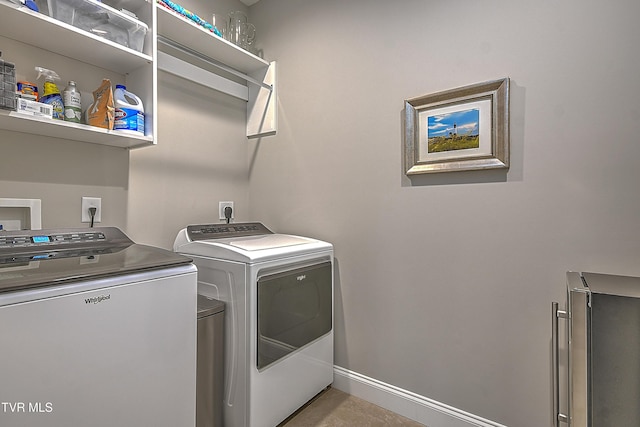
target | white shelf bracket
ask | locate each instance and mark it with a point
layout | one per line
(262, 108)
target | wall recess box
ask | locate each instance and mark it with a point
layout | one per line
(20, 214)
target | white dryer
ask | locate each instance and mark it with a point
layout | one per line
(278, 291)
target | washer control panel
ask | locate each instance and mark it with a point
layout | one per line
(219, 231)
(61, 239)
(39, 240)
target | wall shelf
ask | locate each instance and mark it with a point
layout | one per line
(184, 31)
(204, 47)
(18, 122)
(137, 69)
(66, 40)
(140, 70)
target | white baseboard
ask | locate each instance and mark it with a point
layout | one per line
(410, 405)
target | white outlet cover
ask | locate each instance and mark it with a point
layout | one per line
(221, 206)
(91, 202)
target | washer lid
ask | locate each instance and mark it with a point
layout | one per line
(37, 258)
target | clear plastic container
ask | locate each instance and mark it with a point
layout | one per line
(101, 20)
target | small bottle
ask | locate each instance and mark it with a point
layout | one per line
(72, 103)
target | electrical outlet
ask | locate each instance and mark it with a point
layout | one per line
(91, 202)
(221, 206)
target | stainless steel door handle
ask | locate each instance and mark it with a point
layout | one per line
(555, 315)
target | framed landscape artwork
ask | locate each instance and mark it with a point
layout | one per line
(459, 129)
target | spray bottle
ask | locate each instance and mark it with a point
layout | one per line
(51, 94)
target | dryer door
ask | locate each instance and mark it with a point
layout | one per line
(294, 309)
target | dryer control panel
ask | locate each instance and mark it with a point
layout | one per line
(220, 231)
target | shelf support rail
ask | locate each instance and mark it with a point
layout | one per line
(188, 51)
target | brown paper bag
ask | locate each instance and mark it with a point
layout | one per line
(101, 112)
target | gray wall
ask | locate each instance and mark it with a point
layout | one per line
(445, 281)
(60, 172)
(200, 159)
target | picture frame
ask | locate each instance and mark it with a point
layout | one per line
(458, 130)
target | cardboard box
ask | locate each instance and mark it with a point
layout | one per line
(33, 108)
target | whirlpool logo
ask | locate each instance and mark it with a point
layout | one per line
(98, 299)
(301, 278)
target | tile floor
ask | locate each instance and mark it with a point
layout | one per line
(334, 408)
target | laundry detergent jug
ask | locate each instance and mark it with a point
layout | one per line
(129, 112)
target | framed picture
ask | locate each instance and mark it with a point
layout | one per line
(458, 130)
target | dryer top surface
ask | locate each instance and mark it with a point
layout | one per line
(248, 248)
(270, 241)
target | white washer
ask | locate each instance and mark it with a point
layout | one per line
(95, 330)
(278, 291)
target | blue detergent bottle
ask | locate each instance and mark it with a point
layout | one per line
(129, 111)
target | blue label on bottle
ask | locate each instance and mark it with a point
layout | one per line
(129, 119)
(55, 100)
